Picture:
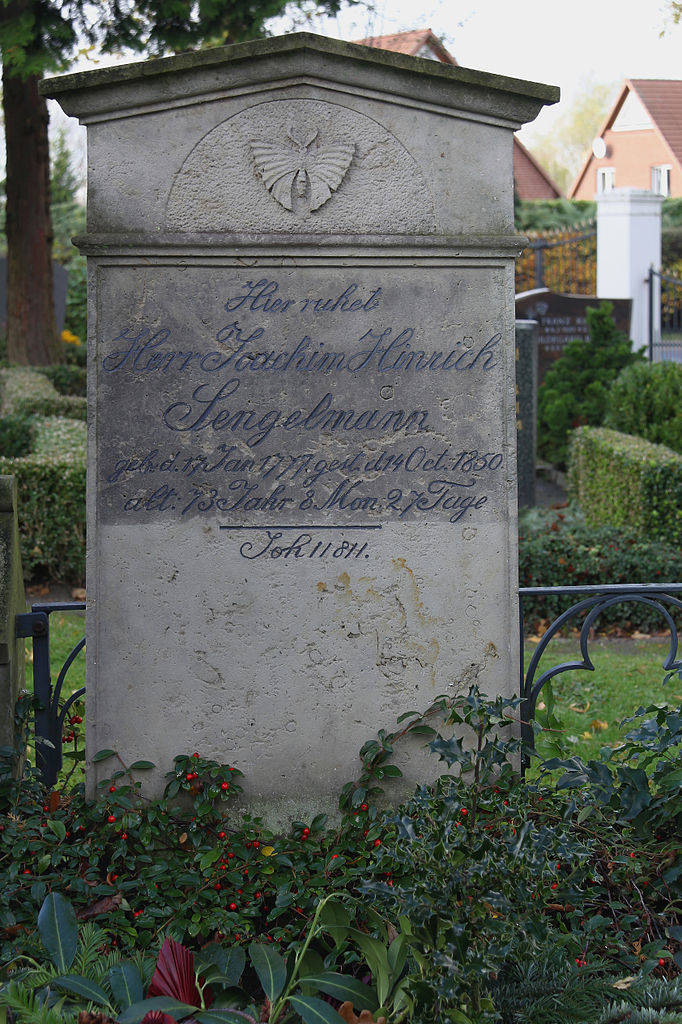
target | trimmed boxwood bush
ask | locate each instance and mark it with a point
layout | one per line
(559, 549)
(15, 436)
(647, 400)
(25, 391)
(51, 486)
(625, 481)
(67, 378)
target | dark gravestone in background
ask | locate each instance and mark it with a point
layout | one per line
(526, 409)
(60, 278)
(561, 318)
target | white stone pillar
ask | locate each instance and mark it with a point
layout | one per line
(628, 244)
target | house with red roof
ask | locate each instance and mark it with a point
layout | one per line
(531, 181)
(639, 144)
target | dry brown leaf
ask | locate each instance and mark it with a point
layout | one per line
(598, 725)
(103, 906)
(623, 983)
(580, 711)
(78, 594)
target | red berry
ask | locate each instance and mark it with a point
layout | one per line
(247, 845)
(506, 803)
(306, 831)
(111, 819)
(217, 887)
(661, 962)
(555, 885)
(136, 913)
(304, 837)
(114, 877)
(334, 856)
(124, 835)
(195, 754)
(464, 811)
(558, 867)
(377, 842)
(189, 776)
(259, 895)
(233, 906)
(240, 891)
(632, 855)
(578, 962)
(363, 807)
(224, 785)
(27, 872)
(112, 789)
(230, 855)
(256, 845)
(222, 835)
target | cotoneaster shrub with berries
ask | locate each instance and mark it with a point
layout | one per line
(482, 898)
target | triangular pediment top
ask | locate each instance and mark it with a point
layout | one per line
(152, 80)
(632, 116)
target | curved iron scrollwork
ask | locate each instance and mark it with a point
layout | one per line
(594, 602)
(49, 716)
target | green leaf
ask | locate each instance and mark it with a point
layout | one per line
(234, 966)
(58, 930)
(270, 968)
(224, 1017)
(375, 955)
(140, 766)
(102, 755)
(82, 987)
(58, 828)
(126, 984)
(208, 858)
(164, 1004)
(314, 1011)
(343, 988)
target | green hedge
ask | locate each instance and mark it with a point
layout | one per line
(51, 485)
(624, 481)
(68, 378)
(16, 436)
(646, 400)
(559, 549)
(25, 391)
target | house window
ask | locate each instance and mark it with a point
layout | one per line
(660, 180)
(606, 179)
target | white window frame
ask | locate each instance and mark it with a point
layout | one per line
(606, 179)
(660, 179)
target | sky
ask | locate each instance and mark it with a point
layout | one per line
(570, 44)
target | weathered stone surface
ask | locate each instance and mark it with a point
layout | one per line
(302, 510)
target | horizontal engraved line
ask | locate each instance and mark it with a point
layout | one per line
(305, 526)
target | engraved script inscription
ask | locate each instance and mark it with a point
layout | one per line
(302, 173)
(312, 407)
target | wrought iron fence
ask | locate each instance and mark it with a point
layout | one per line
(585, 614)
(665, 345)
(563, 261)
(591, 602)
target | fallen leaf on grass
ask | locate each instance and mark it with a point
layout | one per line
(598, 725)
(624, 983)
(580, 711)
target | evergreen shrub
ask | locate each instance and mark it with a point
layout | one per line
(25, 391)
(51, 506)
(624, 481)
(646, 400)
(68, 378)
(15, 436)
(559, 549)
(575, 389)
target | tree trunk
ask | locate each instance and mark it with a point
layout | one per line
(31, 327)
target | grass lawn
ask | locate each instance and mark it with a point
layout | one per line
(588, 705)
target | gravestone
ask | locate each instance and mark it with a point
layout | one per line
(302, 504)
(561, 318)
(526, 409)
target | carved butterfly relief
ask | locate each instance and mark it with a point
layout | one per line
(302, 174)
